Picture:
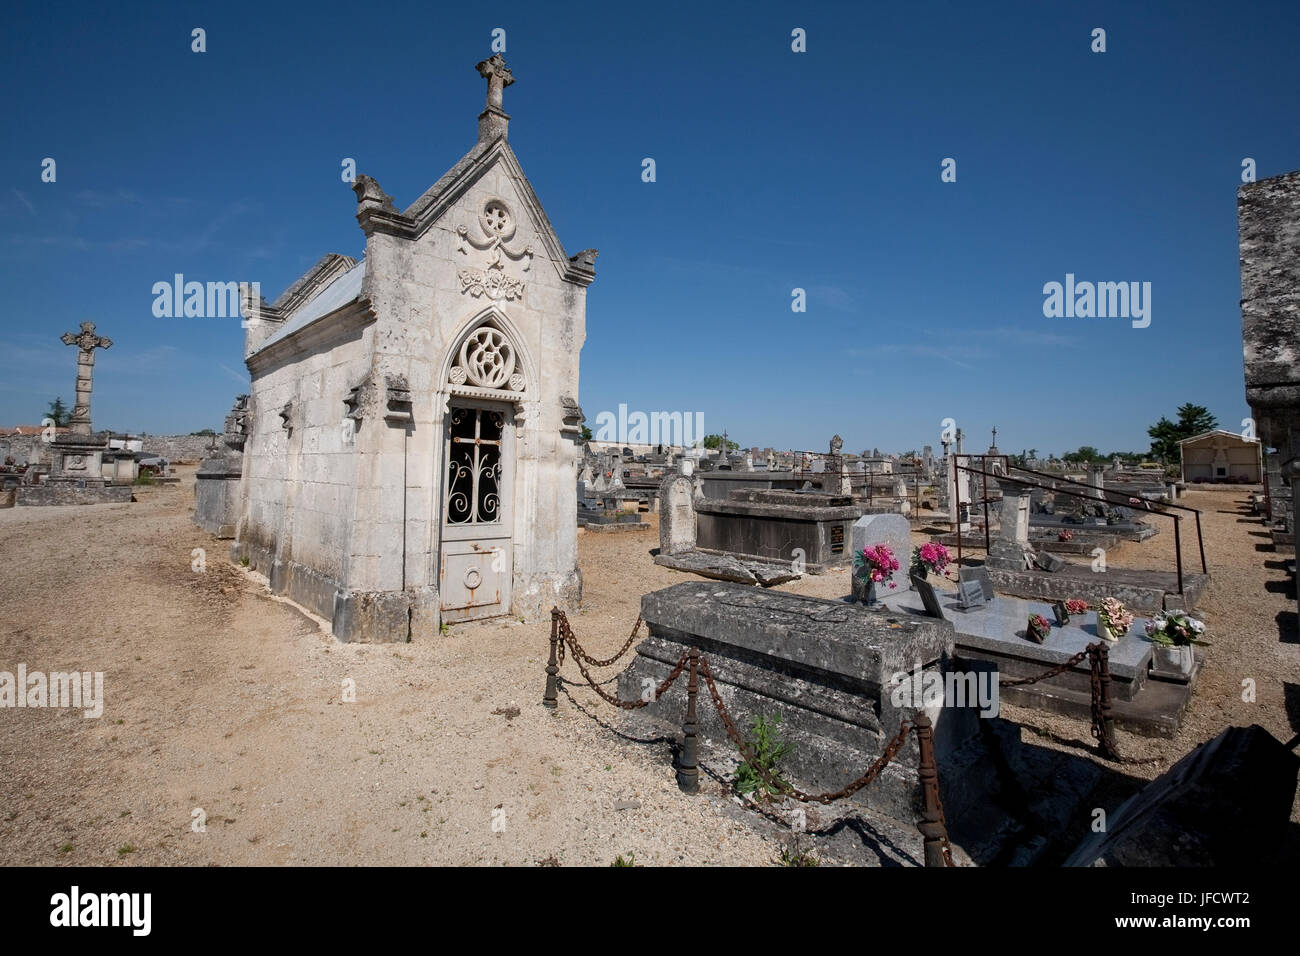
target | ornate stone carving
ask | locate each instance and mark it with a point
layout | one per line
(492, 284)
(86, 342)
(487, 357)
(498, 225)
(400, 410)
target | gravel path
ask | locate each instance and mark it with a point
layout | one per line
(222, 699)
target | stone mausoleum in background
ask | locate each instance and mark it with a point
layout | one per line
(1268, 219)
(413, 425)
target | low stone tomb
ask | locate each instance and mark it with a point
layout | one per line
(780, 525)
(996, 633)
(828, 668)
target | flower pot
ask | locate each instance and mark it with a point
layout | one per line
(1037, 634)
(1173, 662)
(869, 597)
(1104, 632)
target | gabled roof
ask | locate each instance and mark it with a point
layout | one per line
(338, 293)
(1219, 431)
(376, 212)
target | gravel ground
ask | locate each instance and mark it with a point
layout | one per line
(226, 702)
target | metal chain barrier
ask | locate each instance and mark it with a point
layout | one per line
(781, 786)
(579, 652)
(1061, 669)
(934, 826)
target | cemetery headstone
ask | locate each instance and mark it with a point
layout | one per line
(677, 530)
(892, 530)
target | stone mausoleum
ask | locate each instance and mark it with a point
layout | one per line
(413, 425)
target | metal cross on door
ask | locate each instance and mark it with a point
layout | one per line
(475, 575)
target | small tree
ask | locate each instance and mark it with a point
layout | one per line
(586, 433)
(715, 441)
(59, 413)
(1165, 435)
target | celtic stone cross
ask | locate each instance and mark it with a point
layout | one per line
(86, 342)
(498, 75)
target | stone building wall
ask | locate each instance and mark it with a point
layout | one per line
(298, 482)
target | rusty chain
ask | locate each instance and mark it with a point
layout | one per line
(624, 704)
(1060, 669)
(781, 786)
(579, 651)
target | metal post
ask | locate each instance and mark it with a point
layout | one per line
(931, 825)
(1178, 550)
(985, 479)
(550, 697)
(956, 491)
(1100, 661)
(1201, 543)
(688, 765)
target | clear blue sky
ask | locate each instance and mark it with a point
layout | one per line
(775, 170)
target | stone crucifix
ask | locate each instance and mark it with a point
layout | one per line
(498, 75)
(86, 342)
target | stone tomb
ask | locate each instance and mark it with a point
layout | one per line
(826, 668)
(788, 526)
(413, 428)
(1016, 568)
(994, 633)
(216, 483)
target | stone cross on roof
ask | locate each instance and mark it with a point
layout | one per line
(498, 75)
(86, 342)
(492, 122)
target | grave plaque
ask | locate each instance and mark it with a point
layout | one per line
(970, 594)
(982, 576)
(928, 597)
(837, 539)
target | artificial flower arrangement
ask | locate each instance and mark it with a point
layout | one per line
(1038, 629)
(1113, 619)
(1175, 630)
(1076, 606)
(929, 557)
(1066, 535)
(876, 563)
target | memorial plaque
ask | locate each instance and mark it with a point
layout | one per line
(980, 575)
(837, 539)
(928, 597)
(970, 594)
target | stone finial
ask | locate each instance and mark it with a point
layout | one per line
(494, 121)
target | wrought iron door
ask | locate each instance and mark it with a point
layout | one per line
(475, 574)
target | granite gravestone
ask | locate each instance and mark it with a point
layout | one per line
(895, 532)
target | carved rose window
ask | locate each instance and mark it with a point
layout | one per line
(487, 360)
(497, 220)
